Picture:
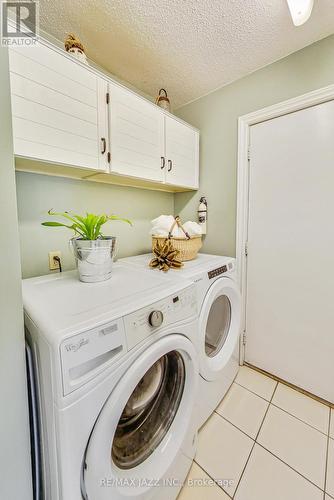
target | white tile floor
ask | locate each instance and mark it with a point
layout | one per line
(265, 441)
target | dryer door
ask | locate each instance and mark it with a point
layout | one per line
(145, 432)
(219, 327)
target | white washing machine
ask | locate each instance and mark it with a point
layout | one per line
(219, 320)
(117, 375)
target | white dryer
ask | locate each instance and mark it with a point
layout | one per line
(117, 375)
(219, 320)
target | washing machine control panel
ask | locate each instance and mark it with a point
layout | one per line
(84, 355)
(156, 318)
(178, 307)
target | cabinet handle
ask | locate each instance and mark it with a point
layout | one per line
(170, 165)
(163, 162)
(104, 145)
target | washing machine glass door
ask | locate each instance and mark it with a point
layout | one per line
(219, 327)
(145, 423)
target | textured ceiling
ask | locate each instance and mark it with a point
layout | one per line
(190, 47)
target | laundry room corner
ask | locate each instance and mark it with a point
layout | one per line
(166, 250)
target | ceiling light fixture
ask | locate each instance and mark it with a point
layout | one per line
(300, 10)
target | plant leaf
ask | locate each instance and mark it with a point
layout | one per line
(115, 217)
(55, 224)
(88, 227)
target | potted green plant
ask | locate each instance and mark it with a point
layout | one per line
(94, 252)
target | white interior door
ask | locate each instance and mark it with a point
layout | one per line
(290, 265)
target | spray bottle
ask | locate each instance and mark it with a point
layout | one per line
(203, 213)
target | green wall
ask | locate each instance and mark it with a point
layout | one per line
(216, 116)
(37, 193)
(15, 482)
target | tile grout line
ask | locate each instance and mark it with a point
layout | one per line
(262, 372)
(253, 392)
(327, 451)
(244, 468)
(288, 384)
(300, 420)
(247, 461)
(270, 403)
(269, 451)
(233, 425)
(255, 440)
(283, 409)
(213, 479)
(237, 428)
(289, 466)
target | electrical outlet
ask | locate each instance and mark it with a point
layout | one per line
(53, 264)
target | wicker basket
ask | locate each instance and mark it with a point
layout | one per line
(188, 246)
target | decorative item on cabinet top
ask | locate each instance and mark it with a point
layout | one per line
(162, 100)
(74, 47)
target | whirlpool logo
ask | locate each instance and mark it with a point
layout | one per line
(74, 347)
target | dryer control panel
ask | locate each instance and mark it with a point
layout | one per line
(214, 273)
(178, 307)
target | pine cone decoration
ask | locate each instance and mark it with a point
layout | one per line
(165, 256)
(72, 41)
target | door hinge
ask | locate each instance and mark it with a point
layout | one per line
(248, 154)
(107, 97)
(109, 157)
(246, 249)
(244, 338)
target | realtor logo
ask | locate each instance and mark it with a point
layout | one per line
(19, 23)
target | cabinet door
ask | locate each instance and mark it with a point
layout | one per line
(182, 146)
(136, 135)
(58, 107)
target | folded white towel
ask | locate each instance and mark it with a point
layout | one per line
(164, 221)
(192, 228)
(159, 231)
(162, 225)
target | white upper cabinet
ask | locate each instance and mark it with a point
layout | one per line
(149, 144)
(70, 119)
(136, 135)
(58, 108)
(182, 151)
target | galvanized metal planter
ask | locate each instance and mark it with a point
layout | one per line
(95, 258)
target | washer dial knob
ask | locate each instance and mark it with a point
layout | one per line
(156, 318)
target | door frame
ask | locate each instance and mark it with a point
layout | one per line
(298, 103)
